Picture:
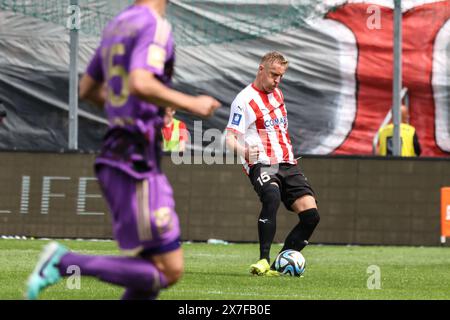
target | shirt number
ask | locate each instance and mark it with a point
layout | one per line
(263, 178)
(116, 70)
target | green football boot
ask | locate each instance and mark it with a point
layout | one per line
(46, 272)
(260, 267)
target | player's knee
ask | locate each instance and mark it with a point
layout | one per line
(271, 197)
(304, 203)
(173, 274)
(316, 218)
(310, 216)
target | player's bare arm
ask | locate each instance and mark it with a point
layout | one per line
(144, 85)
(250, 153)
(92, 91)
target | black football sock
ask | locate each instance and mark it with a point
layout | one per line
(267, 224)
(299, 236)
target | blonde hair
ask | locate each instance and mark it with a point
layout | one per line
(274, 57)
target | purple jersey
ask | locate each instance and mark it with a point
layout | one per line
(136, 39)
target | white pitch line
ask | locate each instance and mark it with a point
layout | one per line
(243, 294)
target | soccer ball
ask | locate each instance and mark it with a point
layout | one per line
(290, 262)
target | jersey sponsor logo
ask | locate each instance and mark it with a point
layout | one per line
(236, 119)
(275, 122)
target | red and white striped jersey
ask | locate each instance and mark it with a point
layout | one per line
(261, 119)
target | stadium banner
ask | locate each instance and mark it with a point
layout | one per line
(51, 195)
(338, 88)
(445, 213)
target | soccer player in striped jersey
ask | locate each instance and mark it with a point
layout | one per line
(130, 75)
(258, 131)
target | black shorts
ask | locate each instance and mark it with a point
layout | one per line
(292, 182)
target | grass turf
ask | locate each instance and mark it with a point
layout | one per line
(220, 272)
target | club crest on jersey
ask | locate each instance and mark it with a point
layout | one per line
(236, 119)
(275, 122)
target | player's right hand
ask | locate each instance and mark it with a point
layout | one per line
(205, 106)
(251, 154)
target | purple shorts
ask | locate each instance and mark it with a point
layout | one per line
(143, 211)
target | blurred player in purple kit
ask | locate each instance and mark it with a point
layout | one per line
(130, 74)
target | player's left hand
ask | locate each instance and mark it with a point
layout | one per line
(205, 106)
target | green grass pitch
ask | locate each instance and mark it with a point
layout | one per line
(220, 272)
